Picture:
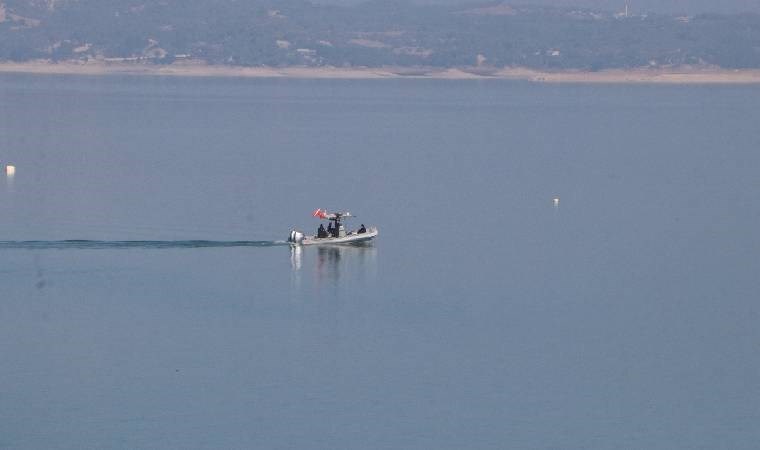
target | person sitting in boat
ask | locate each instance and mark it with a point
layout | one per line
(362, 229)
(321, 233)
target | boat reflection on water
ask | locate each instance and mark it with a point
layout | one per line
(332, 262)
(296, 255)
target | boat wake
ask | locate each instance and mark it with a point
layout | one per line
(95, 245)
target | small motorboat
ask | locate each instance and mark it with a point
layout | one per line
(335, 233)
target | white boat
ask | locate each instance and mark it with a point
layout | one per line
(335, 233)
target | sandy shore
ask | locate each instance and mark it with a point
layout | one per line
(196, 69)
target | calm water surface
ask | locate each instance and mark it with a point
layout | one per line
(483, 317)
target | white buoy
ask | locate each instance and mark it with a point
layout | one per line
(556, 202)
(10, 170)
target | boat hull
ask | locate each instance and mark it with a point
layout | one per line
(352, 238)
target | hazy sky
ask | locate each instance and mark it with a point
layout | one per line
(660, 6)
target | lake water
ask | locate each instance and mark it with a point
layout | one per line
(483, 317)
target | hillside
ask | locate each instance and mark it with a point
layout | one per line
(381, 33)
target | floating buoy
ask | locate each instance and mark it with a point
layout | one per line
(10, 170)
(556, 202)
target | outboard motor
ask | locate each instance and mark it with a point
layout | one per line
(295, 237)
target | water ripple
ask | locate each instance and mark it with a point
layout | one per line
(94, 245)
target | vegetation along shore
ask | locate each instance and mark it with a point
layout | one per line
(377, 39)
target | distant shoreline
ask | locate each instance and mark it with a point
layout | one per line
(684, 75)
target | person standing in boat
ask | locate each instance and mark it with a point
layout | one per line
(321, 231)
(330, 229)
